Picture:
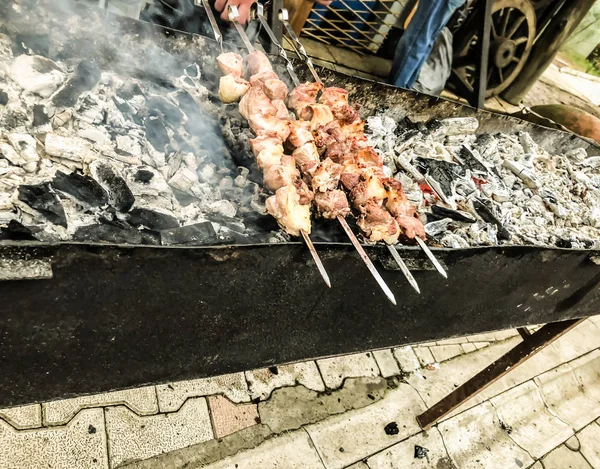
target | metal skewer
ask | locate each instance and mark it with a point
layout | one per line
(403, 268)
(432, 258)
(296, 44)
(233, 15)
(260, 14)
(213, 22)
(366, 260)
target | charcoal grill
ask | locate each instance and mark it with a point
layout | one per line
(81, 318)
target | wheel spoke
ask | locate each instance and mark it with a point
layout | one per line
(505, 24)
(500, 75)
(515, 26)
(516, 59)
(520, 41)
(493, 29)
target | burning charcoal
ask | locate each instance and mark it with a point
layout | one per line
(523, 173)
(156, 133)
(488, 216)
(197, 234)
(36, 74)
(120, 196)
(391, 429)
(40, 197)
(469, 161)
(420, 452)
(3, 98)
(436, 228)
(84, 79)
(144, 176)
(39, 115)
(156, 221)
(443, 212)
(15, 231)
(443, 173)
(70, 148)
(108, 233)
(460, 125)
(222, 207)
(26, 43)
(82, 188)
(169, 111)
(25, 154)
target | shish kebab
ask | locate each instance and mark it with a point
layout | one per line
(397, 203)
(330, 202)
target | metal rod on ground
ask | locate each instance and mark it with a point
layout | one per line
(213, 22)
(260, 14)
(233, 14)
(367, 261)
(299, 48)
(404, 268)
(432, 258)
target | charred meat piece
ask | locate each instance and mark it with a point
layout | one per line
(402, 209)
(351, 174)
(339, 152)
(270, 83)
(306, 195)
(231, 63)
(231, 88)
(332, 204)
(299, 133)
(377, 223)
(348, 115)
(327, 176)
(307, 158)
(82, 188)
(318, 115)
(291, 215)
(366, 156)
(258, 62)
(333, 97)
(302, 96)
(42, 198)
(282, 174)
(369, 187)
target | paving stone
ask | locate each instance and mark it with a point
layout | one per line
(402, 455)
(229, 418)
(537, 465)
(81, 444)
(474, 439)
(132, 438)
(587, 372)
(480, 345)
(289, 451)
(171, 396)
(348, 438)
(489, 337)
(468, 347)
(573, 443)
(424, 355)
(387, 363)
(290, 408)
(441, 353)
(578, 341)
(507, 334)
(589, 438)
(23, 417)
(264, 381)
(454, 341)
(566, 398)
(336, 369)
(407, 359)
(563, 458)
(433, 385)
(359, 465)
(529, 422)
(142, 401)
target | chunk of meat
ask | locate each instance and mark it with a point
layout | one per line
(355, 131)
(366, 155)
(231, 88)
(319, 115)
(302, 96)
(332, 204)
(258, 62)
(370, 187)
(231, 63)
(280, 175)
(333, 97)
(402, 209)
(351, 174)
(347, 115)
(264, 140)
(269, 156)
(327, 176)
(291, 215)
(339, 152)
(270, 83)
(307, 158)
(300, 133)
(262, 115)
(306, 195)
(377, 224)
(282, 111)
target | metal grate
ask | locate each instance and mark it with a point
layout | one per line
(360, 25)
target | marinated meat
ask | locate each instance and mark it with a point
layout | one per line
(231, 88)
(258, 63)
(280, 175)
(263, 141)
(327, 176)
(269, 156)
(402, 209)
(270, 83)
(370, 187)
(300, 133)
(231, 63)
(302, 96)
(332, 204)
(319, 115)
(291, 215)
(282, 112)
(307, 158)
(377, 223)
(333, 97)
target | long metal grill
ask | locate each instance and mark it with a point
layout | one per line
(360, 25)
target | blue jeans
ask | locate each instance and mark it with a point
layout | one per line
(418, 39)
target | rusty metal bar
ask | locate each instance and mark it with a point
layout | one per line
(523, 351)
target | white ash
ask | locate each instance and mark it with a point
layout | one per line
(539, 198)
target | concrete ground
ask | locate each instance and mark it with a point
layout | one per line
(356, 411)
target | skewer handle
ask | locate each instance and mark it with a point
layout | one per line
(316, 258)
(366, 260)
(233, 14)
(298, 47)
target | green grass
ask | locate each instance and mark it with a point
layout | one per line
(581, 63)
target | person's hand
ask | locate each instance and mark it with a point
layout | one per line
(243, 9)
